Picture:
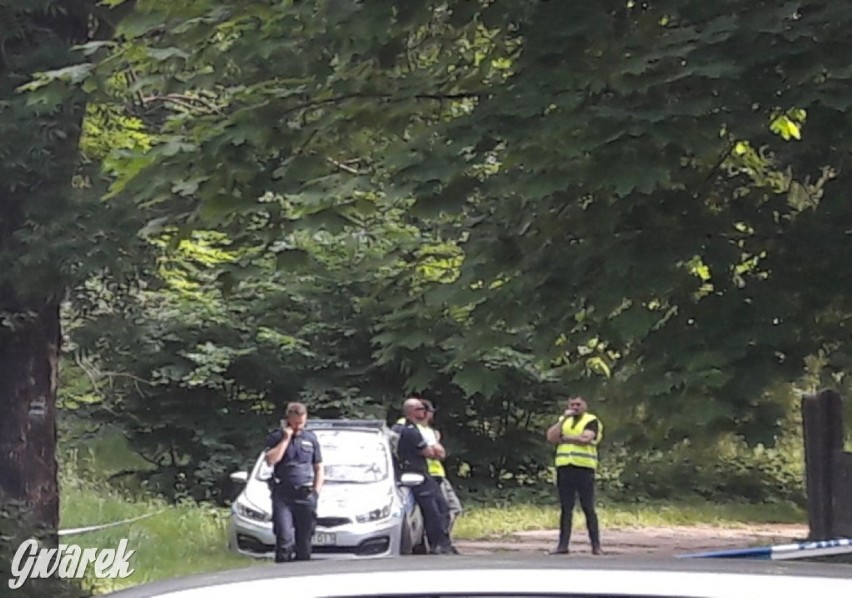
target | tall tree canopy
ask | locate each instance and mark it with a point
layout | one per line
(647, 191)
(639, 199)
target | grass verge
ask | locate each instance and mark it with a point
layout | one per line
(179, 540)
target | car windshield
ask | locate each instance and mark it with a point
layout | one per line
(351, 456)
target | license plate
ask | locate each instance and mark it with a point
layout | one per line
(324, 539)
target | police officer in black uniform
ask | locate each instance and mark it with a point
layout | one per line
(295, 455)
(413, 451)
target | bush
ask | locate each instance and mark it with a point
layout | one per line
(729, 470)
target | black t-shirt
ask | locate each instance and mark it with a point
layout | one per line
(592, 425)
(296, 467)
(411, 442)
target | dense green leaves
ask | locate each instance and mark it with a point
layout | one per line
(485, 201)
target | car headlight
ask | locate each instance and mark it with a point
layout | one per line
(374, 515)
(250, 513)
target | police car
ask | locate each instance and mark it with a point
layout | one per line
(363, 510)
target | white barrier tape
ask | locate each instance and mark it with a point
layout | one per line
(94, 528)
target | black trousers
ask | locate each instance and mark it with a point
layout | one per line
(435, 517)
(573, 481)
(294, 517)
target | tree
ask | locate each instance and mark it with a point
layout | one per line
(38, 157)
(626, 187)
(55, 232)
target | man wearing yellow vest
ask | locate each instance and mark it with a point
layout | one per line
(576, 435)
(436, 470)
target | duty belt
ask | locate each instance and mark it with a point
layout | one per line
(301, 490)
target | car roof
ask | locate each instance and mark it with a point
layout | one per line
(497, 575)
(375, 425)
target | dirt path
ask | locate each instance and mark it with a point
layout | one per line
(650, 541)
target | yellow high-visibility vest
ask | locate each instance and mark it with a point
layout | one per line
(581, 455)
(436, 468)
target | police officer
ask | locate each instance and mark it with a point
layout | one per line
(434, 466)
(295, 455)
(413, 450)
(576, 435)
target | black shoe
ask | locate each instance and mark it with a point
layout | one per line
(558, 550)
(444, 550)
(597, 550)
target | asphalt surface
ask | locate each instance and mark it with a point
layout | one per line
(424, 564)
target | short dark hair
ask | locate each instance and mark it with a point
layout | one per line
(296, 409)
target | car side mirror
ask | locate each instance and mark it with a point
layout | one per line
(411, 479)
(240, 477)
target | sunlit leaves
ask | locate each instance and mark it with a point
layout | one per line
(788, 124)
(106, 130)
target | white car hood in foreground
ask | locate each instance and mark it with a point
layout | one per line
(509, 576)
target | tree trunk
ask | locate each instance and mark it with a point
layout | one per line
(39, 150)
(29, 353)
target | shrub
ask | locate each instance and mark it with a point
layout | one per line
(729, 470)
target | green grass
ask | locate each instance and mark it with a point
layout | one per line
(179, 540)
(190, 538)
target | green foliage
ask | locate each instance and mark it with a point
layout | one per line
(196, 373)
(492, 203)
(178, 540)
(591, 193)
(730, 470)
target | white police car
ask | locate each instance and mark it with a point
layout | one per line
(362, 511)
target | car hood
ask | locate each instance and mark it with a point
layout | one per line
(352, 499)
(336, 499)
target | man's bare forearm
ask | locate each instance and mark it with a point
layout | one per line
(582, 439)
(436, 451)
(553, 434)
(276, 453)
(319, 477)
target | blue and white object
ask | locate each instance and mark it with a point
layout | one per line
(798, 550)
